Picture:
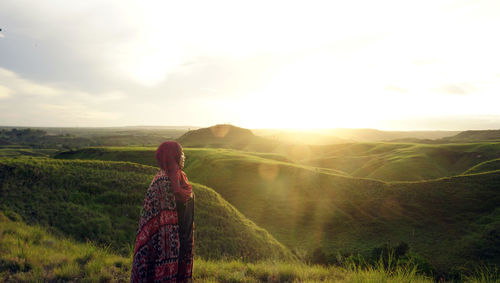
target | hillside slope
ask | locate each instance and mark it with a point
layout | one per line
(402, 161)
(490, 165)
(101, 201)
(227, 136)
(307, 208)
(474, 136)
(33, 254)
(343, 214)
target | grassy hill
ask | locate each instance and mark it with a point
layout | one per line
(387, 161)
(402, 161)
(490, 165)
(299, 137)
(227, 136)
(33, 254)
(474, 136)
(331, 136)
(146, 155)
(101, 201)
(373, 135)
(307, 208)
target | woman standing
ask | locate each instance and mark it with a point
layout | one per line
(164, 242)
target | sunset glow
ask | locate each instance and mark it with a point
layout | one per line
(307, 64)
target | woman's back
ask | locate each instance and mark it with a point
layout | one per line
(164, 242)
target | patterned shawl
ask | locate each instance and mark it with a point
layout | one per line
(164, 245)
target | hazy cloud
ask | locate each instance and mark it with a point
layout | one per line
(203, 62)
(4, 92)
(18, 85)
(459, 88)
(394, 88)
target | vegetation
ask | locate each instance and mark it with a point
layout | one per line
(344, 215)
(475, 136)
(402, 161)
(31, 253)
(101, 201)
(227, 136)
(383, 211)
(490, 165)
(68, 138)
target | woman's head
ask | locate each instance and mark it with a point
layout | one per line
(170, 156)
(171, 159)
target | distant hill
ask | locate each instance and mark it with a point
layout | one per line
(299, 137)
(373, 135)
(101, 201)
(226, 136)
(308, 208)
(67, 138)
(334, 136)
(402, 161)
(475, 136)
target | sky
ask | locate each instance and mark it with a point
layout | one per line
(392, 65)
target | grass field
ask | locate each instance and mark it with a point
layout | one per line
(101, 200)
(402, 161)
(31, 253)
(307, 208)
(490, 165)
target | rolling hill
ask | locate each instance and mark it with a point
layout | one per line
(101, 200)
(474, 136)
(307, 208)
(387, 161)
(402, 161)
(490, 165)
(33, 254)
(331, 136)
(226, 136)
(348, 215)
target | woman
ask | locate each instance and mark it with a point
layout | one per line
(164, 242)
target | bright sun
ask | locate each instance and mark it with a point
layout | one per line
(316, 92)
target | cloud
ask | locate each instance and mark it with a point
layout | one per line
(16, 84)
(394, 88)
(212, 90)
(458, 88)
(34, 103)
(78, 113)
(4, 92)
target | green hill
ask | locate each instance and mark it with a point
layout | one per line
(374, 135)
(402, 161)
(387, 161)
(227, 136)
(474, 136)
(307, 209)
(146, 155)
(490, 165)
(33, 254)
(100, 201)
(448, 221)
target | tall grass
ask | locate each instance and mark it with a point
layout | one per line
(31, 254)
